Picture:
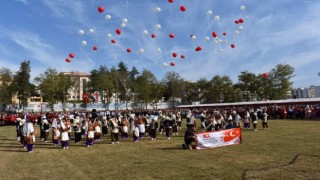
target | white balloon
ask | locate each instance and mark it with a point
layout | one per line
(207, 38)
(221, 50)
(217, 18)
(145, 32)
(83, 43)
(220, 40)
(107, 17)
(123, 25)
(242, 7)
(125, 20)
(164, 64)
(209, 12)
(157, 26)
(91, 31)
(216, 41)
(81, 32)
(236, 32)
(159, 50)
(193, 37)
(141, 51)
(240, 28)
(225, 41)
(157, 10)
(109, 35)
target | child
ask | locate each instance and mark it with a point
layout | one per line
(136, 133)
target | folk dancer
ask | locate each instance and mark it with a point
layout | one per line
(56, 133)
(77, 130)
(136, 132)
(45, 129)
(254, 118)
(114, 130)
(104, 123)
(90, 134)
(153, 129)
(265, 120)
(168, 123)
(30, 136)
(64, 134)
(97, 131)
(124, 128)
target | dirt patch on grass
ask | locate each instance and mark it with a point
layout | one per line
(301, 166)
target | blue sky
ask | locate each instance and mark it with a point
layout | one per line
(274, 31)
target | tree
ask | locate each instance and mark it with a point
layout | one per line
(21, 84)
(248, 84)
(281, 84)
(147, 86)
(174, 88)
(221, 89)
(6, 79)
(54, 86)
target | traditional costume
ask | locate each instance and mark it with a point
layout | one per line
(97, 131)
(153, 129)
(136, 133)
(45, 129)
(64, 135)
(104, 126)
(90, 135)
(30, 136)
(56, 135)
(77, 130)
(114, 130)
(124, 128)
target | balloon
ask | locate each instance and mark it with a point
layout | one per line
(236, 21)
(220, 40)
(164, 64)
(123, 25)
(193, 36)
(109, 35)
(209, 12)
(217, 18)
(199, 48)
(157, 10)
(95, 48)
(207, 38)
(240, 28)
(242, 7)
(153, 35)
(265, 75)
(241, 20)
(129, 50)
(216, 41)
(236, 32)
(157, 26)
(183, 56)
(113, 41)
(71, 55)
(233, 45)
(171, 35)
(214, 34)
(183, 8)
(68, 60)
(83, 43)
(224, 33)
(81, 32)
(221, 50)
(141, 51)
(107, 17)
(174, 55)
(172, 64)
(125, 20)
(91, 31)
(118, 31)
(101, 9)
(170, 1)
(145, 32)
(159, 50)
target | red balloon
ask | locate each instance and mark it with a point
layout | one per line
(95, 48)
(113, 41)
(214, 34)
(183, 8)
(199, 48)
(233, 45)
(171, 35)
(174, 55)
(118, 31)
(153, 35)
(172, 64)
(170, 1)
(183, 56)
(224, 33)
(236, 21)
(241, 20)
(68, 60)
(129, 50)
(265, 75)
(100, 9)
(71, 55)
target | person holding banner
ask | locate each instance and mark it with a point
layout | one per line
(189, 138)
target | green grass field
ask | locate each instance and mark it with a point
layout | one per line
(290, 149)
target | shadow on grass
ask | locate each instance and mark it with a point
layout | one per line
(171, 148)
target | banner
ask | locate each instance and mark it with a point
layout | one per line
(218, 138)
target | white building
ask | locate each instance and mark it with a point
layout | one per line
(311, 92)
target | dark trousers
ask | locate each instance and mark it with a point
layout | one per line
(188, 141)
(153, 133)
(114, 136)
(265, 125)
(168, 132)
(77, 137)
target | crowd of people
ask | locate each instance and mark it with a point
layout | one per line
(90, 127)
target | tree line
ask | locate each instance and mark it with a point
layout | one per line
(130, 85)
